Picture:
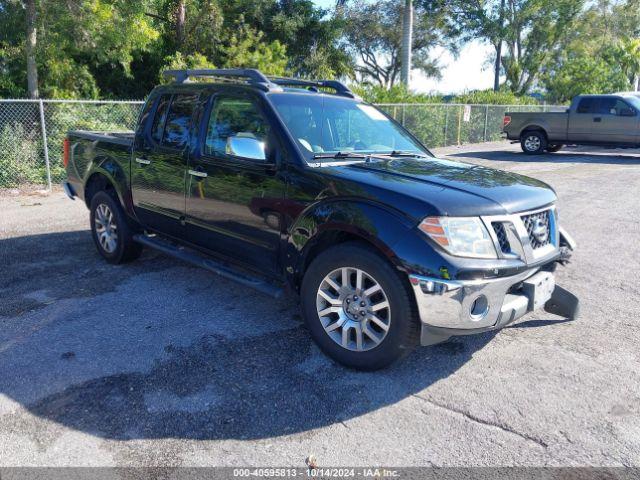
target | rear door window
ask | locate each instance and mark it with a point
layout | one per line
(160, 117)
(176, 130)
(587, 105)
(143, 118)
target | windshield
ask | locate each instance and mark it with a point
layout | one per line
(633, 100)
(324, 125)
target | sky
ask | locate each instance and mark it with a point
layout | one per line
(469, 71)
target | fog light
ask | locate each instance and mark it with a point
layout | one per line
(479, 308)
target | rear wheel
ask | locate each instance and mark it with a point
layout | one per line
(533, 142)
(111, 233)
(358, 308)
(554, 147)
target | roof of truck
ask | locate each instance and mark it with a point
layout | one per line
(256, 79)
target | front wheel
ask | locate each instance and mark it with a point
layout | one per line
(533, 143)
(358, 308)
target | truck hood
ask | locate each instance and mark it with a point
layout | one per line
(452, 188)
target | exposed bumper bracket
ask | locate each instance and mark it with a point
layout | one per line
(563, 303)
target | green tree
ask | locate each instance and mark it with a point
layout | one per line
(248, 49)
(582, 74)
(178, 61)
(73, 39)
(600, 55)
(292, 29)
(531, 31)
(630, 60)
(313, 39)
(117, 48)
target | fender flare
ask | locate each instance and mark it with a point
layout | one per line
(533, 127)
(375, 224)
(113, 172)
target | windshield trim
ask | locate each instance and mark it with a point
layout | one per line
(307, 157)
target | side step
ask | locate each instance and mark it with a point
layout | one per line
(199, 260)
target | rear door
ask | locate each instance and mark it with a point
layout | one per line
(158, 169)
(615, 121)
(581, 120)
(235, 203)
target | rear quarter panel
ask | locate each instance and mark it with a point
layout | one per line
(553, 123)
(94, 153)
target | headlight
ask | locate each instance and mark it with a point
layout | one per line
(461, 236)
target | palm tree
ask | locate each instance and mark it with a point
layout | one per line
(630, 61)
(407, 38)
(628, 57)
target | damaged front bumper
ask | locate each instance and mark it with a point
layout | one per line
(463, 307)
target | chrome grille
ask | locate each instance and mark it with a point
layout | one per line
(538, 228)
(501, 234)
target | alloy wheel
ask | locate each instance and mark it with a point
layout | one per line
(532, 143)
(106, 228)
(353, 308)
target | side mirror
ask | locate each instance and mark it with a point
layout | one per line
(246, 147)
(627, 112)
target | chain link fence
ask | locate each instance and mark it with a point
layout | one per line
(31, 131)
(31, 134)
(443, 125)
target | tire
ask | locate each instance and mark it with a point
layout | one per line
(554, 147)
(533, 142)
(117, 246)
(399, 316)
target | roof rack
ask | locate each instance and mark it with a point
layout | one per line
(339, 87)
(253, 76)
(256, 77)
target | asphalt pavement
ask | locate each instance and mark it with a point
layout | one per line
(157, 363)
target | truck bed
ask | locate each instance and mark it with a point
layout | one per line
(110, 150)
(555, 124)
(120, 138)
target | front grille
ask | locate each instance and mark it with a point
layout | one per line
(501, 233)
(538, 227)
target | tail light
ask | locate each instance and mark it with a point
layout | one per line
(506, 121)
(65, 152)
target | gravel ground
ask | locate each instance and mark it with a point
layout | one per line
(157, 363)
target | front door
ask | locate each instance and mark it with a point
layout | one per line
(158, 169)
(234, 198)
(616, 121)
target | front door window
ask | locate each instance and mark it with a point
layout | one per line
(233, 117)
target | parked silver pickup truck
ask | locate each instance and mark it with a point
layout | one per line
(604, 120)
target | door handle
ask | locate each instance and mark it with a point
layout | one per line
(597, 119)
(143, 161)
(198, 173)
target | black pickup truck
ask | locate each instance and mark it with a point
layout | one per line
(287, 185)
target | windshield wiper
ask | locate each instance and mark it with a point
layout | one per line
(402, 153)
(340, 155)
